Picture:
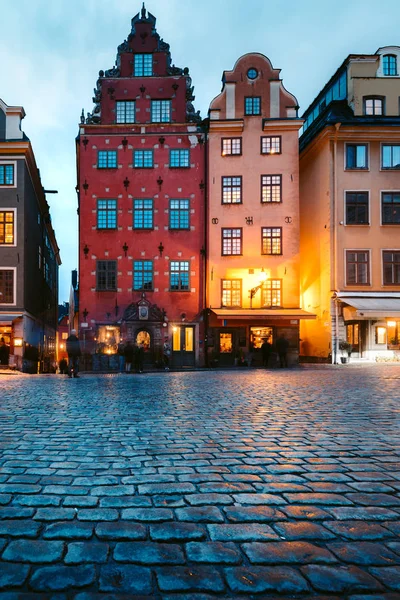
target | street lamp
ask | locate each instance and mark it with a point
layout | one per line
(254, 290)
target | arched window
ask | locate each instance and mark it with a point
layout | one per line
(389, 65)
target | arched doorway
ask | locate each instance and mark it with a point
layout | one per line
(144, 337)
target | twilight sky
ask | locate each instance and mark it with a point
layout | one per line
(52, 50)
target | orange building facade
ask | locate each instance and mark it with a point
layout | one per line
(253, 215)
(350, 211)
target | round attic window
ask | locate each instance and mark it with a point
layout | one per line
(252, 73)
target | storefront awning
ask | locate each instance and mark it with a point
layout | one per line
(262, 314)
(371, 308)
(6, 319)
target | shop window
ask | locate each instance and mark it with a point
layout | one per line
(176, 339)
(259, 335)
(189, 339)
(393, 333)
(380, 335)
(143, 337)
(108, 338)
(225, 343)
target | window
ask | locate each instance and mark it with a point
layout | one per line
(143, 214)
(231, 146)
(232, 242)
(252, 106)
(357, 208)
(271, 240)
(231, 292)
(390, 156)
(179, 214)
(389, 65)
(271, 188)
(7, 227)
(7, 286)
(179, 275)
(106, 275)
(374, 106)
(271, 145)
(391, 208)
(107, 159)
(6, 174)
(179, 158)
(380, 335)
(142, 275)
(391, 267)
(356, 156)
(353, 335)
(272, 292)
(125, 111)
(232, 190)
(106, 214)
(357, 267)
(143, 65)
(252, 73)
(143, 159)
(161, 111)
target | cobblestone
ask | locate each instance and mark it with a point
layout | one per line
(240, 484)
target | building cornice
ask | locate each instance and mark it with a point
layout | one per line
(287, 124)
(234, 125)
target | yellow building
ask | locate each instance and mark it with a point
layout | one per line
(350, 211)
(253, 215)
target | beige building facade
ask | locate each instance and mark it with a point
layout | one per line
(253, 215)
(350, 211)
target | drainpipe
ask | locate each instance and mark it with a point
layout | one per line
(334, 245)
(205, 261)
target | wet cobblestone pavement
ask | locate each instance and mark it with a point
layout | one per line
(231, 484)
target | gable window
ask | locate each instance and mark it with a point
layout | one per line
(231, 292)
(357, 267)
(125, 111)
(7, 227)
(106, 275)
(143, 214)
(271, 240)
(357, 208)
(107, 159)
(6, 174)
(231, 146)
(232, 241)
(106, 214)
(143, 159)
(390, 156)
(252, 105)
(356, 156)
(160, 111)
(374, 106)
(143, 65)
(232, 190)
(272, 292)
(391, 267)
(179, 275)
(271, 188)
(271, 145)
(7, 286)
(390, 208)
(179, 214)
(179, 158)
(389, 65)
(142, 275)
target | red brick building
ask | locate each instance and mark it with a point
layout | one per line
(141, 188)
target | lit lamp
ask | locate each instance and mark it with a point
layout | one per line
(254, 290)
(17, 342)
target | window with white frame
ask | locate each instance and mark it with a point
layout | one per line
(391, 267)
(390, 156)
(6, 174)
(390, 208)
(356, 156)
(357, 267)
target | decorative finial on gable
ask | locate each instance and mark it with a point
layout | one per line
(143, 13)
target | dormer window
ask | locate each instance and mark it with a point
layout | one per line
(374, 105)
(143, 65)
(390, 65)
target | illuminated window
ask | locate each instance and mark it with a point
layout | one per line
(7, 227)
(225, 343)
(143, 65)
(125, 111)
(271, 240)
(232, 241)
(232, 190)
(176, 339)
(231, 292)
(271, 188)
(272, 292)
(357, 267)
(271, 145)
(380, 335)
(64, 335)
(231, 146)
(189, 339)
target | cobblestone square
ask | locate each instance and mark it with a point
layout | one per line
(230, 484)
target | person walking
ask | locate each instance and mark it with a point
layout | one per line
(282, 346)
(166, 354)
(74, 352)
(265, 352)
(129, 354)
